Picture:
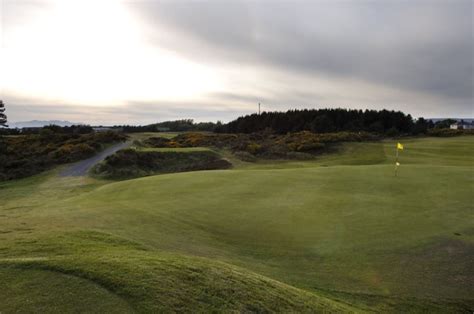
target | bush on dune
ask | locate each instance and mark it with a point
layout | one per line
(449, 132)
(130, 163)
(30, 154)
(71, 152)
(245, 156)
(157, 142)
(264, 144)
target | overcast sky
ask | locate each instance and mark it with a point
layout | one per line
(137, 62)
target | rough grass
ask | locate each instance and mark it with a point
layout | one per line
(337, 230)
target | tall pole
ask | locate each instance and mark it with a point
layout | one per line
(396, 163)
(258, 108)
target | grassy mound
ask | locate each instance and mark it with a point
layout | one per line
(99, 266)
(130, 163)
(34, 290)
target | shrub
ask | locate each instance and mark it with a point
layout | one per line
(245, 156)
(310, 147)
(26, 155)
(70, 152)
(253, 148)
(157, 142)
(81, 151)
(449, 132)
(266, 144)
(299, 156)
(392, 132)
(62, 153)
(129, 163)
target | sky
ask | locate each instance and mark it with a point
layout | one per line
(143, 61)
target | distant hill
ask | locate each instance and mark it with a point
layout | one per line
(468, 120)
(41, 123)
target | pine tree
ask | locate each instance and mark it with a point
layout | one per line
(3, 144)
(3, 117)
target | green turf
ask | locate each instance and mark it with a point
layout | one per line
(341, 229)
(45, 291)
(167, 149)
(148, 280)
(145, 135)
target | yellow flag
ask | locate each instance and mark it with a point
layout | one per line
(399, 146)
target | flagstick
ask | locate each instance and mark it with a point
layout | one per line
(396, 163)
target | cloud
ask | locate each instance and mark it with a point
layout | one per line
(131, 112)
(143, 61)
(424, 46)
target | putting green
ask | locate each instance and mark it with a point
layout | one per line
(338, 229)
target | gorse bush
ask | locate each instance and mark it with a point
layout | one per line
(254, 148)
(26, 155)
(157, 142)
(72, 152)
(245, 156)
(129, 163)
(449, 132)
(264, 144)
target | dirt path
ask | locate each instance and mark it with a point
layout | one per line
(81, 168)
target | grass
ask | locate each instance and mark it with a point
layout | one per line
(166, 149)
(149, 281)
(338, 233)
(145, 135)
(28, 286)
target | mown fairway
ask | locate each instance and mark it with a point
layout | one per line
(339, 233)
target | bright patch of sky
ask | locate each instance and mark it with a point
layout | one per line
(110, 61)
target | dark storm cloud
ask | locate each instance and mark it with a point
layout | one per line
(421, 46)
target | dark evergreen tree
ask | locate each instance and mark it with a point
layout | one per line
(421, 126)
(323, 121)
(3, 116)
(444, 124)
(321, 124)
(183, 125)
(3, 123)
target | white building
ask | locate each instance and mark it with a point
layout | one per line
(461, 125)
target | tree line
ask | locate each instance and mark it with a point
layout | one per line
(3, 116)
(328, 120)
(384, 122)
(182, 125)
